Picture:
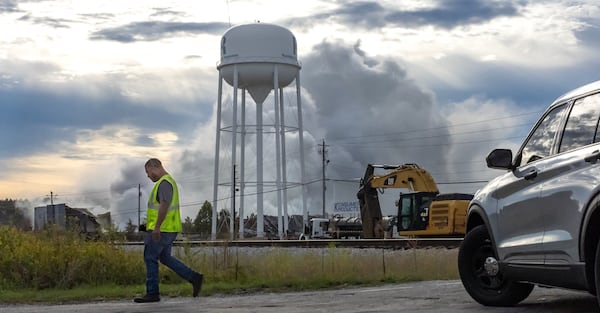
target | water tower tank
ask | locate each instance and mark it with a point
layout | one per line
(254, 49)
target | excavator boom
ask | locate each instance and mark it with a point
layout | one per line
(409, 176)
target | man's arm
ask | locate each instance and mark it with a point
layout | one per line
(162, 213)
(165, 194)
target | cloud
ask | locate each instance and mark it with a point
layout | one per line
(156, 30)
(8, 6)
(449, 14)
(369, 110)
(122, 198)
(589, 33)
(167, 11)
(49, 21)
(38, 119)
(123, 176)
(43, 116)
(459, 77)
(347, 87)
(445, 14)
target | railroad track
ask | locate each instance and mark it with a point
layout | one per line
(396, 243)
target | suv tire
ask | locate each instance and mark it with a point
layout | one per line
(491, 289)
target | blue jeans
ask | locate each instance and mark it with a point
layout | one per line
(155, 251)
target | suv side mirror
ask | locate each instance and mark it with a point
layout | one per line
(500, 159)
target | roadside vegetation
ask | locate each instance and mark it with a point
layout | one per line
(61, 266)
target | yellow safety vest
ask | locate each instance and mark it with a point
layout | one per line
(172, 222)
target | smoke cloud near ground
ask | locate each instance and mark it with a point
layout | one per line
(366, 109)
(123, 176)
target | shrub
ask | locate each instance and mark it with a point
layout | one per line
(57, 258)
(62, 259)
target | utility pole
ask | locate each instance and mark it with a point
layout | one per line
(323, 152)
(139, 205)
(53, 220)
(232, 219)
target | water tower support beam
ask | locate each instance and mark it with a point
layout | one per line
(277, 150)
(233, 149)
(301, 149)
(213, 228)
(283, 164)
(242, 165)
(260, 222)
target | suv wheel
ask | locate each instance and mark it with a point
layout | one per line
(481, 275)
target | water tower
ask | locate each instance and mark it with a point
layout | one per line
(257, 59)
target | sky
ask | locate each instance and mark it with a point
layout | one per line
(89, 90)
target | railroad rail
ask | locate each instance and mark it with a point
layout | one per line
(395, 243)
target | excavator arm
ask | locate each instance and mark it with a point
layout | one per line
(409, 176)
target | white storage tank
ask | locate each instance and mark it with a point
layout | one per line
(254, 49)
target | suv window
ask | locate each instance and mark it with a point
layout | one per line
(540, 142)
(582, 125)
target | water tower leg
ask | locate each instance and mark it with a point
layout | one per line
(242, 165)
(233, 150)
(283, 164)
(213, 228)
(301, 143)
(260, 222)
(277, 150)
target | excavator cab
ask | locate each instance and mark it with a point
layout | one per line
(413, 210)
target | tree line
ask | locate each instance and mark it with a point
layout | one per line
(14, 213)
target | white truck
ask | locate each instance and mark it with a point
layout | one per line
(336, 227)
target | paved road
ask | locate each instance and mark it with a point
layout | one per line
(425, 297)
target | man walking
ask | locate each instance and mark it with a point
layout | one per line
(163, 223)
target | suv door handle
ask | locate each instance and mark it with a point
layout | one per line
(592, 158)
(527, 174)
(531, 174)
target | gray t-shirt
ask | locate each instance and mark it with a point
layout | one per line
(165, 192)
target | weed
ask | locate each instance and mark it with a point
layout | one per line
(61, 260)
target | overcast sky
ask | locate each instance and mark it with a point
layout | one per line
(89, 90)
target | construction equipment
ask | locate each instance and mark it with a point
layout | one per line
(422, 212)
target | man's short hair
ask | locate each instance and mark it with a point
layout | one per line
(153, 162)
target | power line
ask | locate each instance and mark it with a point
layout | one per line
(478, 131)
(255, 193)
(365, 146)
(440, 127)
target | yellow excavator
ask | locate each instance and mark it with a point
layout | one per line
(423, 212)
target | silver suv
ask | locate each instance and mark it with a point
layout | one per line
(539, 223)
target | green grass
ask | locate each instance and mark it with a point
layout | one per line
(60, 267)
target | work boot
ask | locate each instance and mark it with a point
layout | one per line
(147, 298)
(197, 284)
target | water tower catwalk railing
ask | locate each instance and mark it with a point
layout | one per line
(263, 67)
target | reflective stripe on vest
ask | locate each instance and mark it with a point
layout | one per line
(172, 222)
